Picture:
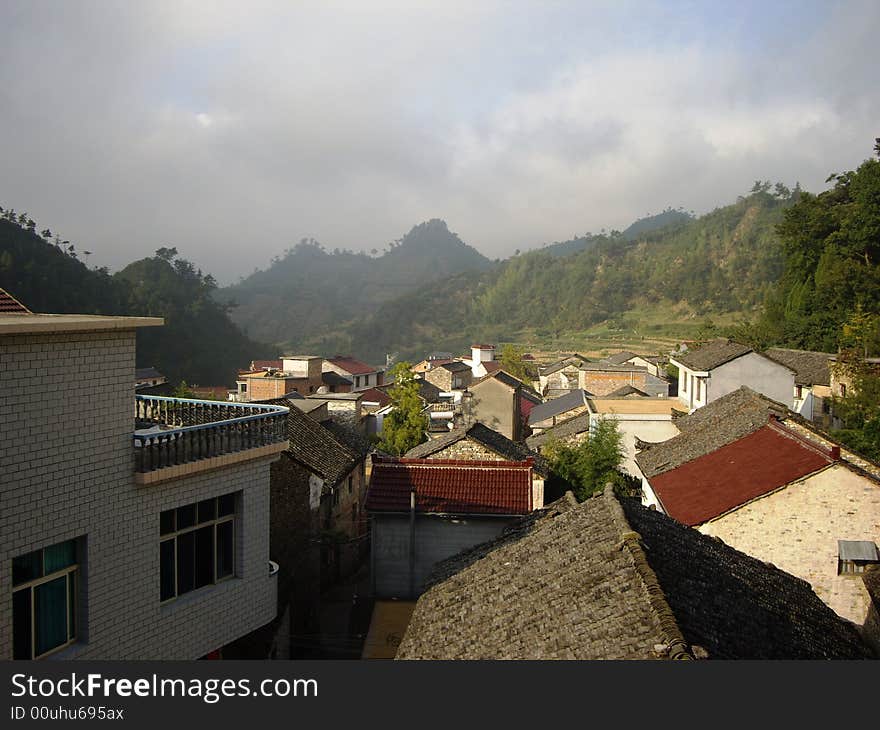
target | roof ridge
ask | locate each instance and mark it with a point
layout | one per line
(677, 646)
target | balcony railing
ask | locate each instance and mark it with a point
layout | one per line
(174, 431)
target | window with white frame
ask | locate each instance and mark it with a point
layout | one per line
(196, 546)
(45, 591)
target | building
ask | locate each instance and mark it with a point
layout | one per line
(449, 376)
(362, 376)
(749, 471)
(148, 377)
(496, 401)
(718, 367)
(602, 378)
(812, 381)
(610, 579)
(298, 374)
(133, 527)
(548, 414)
(561, 376)
(425, 510)
(482, 361)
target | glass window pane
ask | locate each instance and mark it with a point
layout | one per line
(71, 605)
(207, 510)
(186, 546)
(225, 549)
(186, 516)
(50, 614)
(27, 567)
(166, 570)
(21, 624)
(166, 522)
(59, 556)
(226, 505)
(204, 556)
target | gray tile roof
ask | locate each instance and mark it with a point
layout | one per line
(608, 367)
(575, 359)
(491, 439)
(619, 358)
(717, 424)
(455, 367)
(561, 431)
(609, 579)
(810, 368)
(711, 354)
(563, 404)
(627, 391)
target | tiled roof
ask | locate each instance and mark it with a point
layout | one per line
(563, 404)
(619, 358)
(609, 579)
(502, 376)
(810, 368)
(374, 395)
(10, 305)
(627, 391)
(726, 419)
(428, 392)
(147, 373)
(455, 366)
(607, 367)
(329, 377)
(739, 472)
(451, 486)
(574, 359)
(712, 354)
(350, 365)
(492, 366)
(562, 430)
(316, 447)
(491, 439)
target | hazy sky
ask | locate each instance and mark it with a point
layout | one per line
(233, 129)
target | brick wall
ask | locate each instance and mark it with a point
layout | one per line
(67, 415)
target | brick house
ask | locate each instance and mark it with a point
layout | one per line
(298, 374)
(425, 510)
(561, 376)
(600, 379)
(150, 537)
(362, 376)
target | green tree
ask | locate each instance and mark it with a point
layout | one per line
(512, 361)
(183, 390)
(588, 466)
(404, 427)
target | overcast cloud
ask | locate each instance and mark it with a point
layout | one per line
(231, 130)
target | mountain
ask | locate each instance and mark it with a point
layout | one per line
(725, 261)
(310, 291)
(199, 343)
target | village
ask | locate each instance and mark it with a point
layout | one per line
(267, 521)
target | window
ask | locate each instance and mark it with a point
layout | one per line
(684, 382)
(242, 387)
(842, 390)
(349, 485)
(697, 395)
(357, 381)
(854, 556)
(44, 597)
(799, 391)
(197, 546)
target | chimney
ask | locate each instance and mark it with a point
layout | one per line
(467, 409)
(835, 452)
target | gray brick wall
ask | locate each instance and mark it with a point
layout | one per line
(66, 471)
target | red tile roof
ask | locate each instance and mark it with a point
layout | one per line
(10, 305)
(373, 395)
(451, 486)
(492, 366)
(350, 365)
(726, 478)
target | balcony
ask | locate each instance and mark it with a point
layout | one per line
(178, 436)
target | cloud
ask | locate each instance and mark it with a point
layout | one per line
(233, 133)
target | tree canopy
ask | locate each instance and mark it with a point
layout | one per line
(588, 466)
(404, 427)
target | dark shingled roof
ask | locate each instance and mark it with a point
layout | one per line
(451, 486)
(619, 358)
(562, 430)
(810, 368)
(455, 366)
(609, 579)
(317, 447)
(574, 359)
(720, 422)
(329, 377)
(491, 439)
(428, 392)
(563, 404)
(627, 391)
(712, 354)
(147, 373)
(504, 377)
(608, 367)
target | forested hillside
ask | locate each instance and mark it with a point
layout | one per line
(311, 292)
(725, 261)
(198, 343)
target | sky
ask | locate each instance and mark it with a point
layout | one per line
(231, 130)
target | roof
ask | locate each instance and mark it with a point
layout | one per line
(21, 323)
(491, 439)
(329, 377)
(810, 368)
(350, 365)
(737, 473)
(455, 366)
(451, 486)
(374, 395)
(857, 550)
(712, 354)
(609, 579)
(266, 364)
(722, 421)
(608, 367)
(563, 404)
(428, 392)
(574, 359)
(562, 430)
(147, 373)
(620, 358)
(491, 366)
(503, 376)
(315, 446)
(627, 391)
(10, 305)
